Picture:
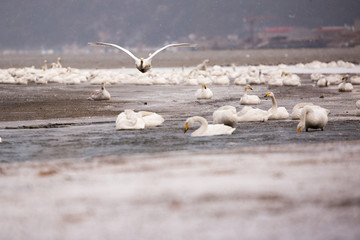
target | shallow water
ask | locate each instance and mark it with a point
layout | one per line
(92, 140)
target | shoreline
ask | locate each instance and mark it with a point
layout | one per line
(181, 58)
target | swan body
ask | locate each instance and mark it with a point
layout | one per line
(322, 82)
(355, 80)
(316, 76)
(345, 86)
(151, 119)
(206, 129)
(291, 80)
(276, 112)
(313, 117)
(129, 120)
(240, 80)
(250, 114)
(334, 79)
(357, 104)
(143, 65)
(225, 115)
(204, 93)
(296, 112)
(101, 94)
(249, 99)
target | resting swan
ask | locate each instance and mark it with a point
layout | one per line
(249, 99)
(129, 120)
(203, 93)
(313, 117)
(296, 112)
(151, 119)
(250, 114)
(143, 65)
(291, 80)
(101, 94)
(206, 129)
(225, 115)
(322, 82)
(276, 112)
(358, 107)
(345, 86)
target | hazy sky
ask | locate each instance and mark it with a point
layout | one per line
(30, 24)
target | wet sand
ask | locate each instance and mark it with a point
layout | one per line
(263, 182)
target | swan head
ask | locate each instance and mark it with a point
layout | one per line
(102, 86)
(269, 94)
(186, 127)
(189, 123)
(300, 126)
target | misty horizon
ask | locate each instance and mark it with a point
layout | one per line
(52, 24)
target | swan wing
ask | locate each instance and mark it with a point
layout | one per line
(170, 45)
(115, 46)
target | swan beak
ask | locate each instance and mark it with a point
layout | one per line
(141, 59)
(250, 88)
(204, 85)
(186, 127)
(299, 130)
(267, 95)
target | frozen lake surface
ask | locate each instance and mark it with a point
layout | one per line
(71, 175)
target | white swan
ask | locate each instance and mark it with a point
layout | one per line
(276, 112)
(206, 129)
(355, 80)
(203, 93)
(101, 94)
(322, 82)
(313, 117)
(249, 99)
(357, 104)
(143, 65)
(151, 119)
(291, 80)
(345, 86)
(225, 115)
(129, 120)
(296, 111)
(333, 79)
(250, 114)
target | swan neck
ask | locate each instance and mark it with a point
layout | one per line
(304, 112)
(274, 102)
(203, 124)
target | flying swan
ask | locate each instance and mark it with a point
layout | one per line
(143, 65)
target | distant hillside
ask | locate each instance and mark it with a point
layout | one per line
(28, 24)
